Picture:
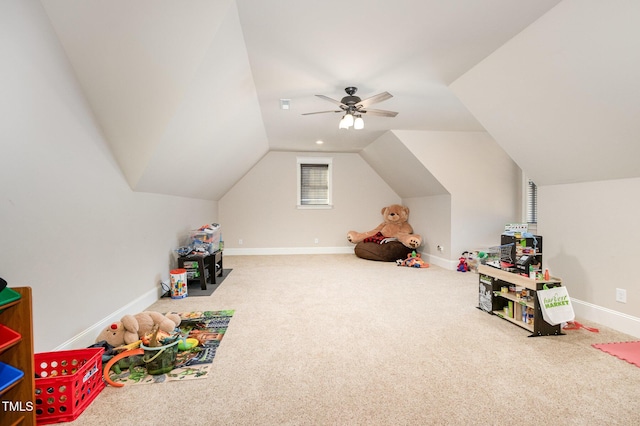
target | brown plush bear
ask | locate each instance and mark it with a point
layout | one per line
(395, 225)
(132, 327)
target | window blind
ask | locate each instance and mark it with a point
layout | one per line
(532, 202)
(314, 184)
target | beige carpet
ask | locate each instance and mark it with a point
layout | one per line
(337, 340)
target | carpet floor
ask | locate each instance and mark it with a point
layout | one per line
(339, 340)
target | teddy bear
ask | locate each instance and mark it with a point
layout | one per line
(132, 327)
(395, 225)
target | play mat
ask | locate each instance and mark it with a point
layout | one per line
(208, 327)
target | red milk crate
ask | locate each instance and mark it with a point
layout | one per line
(66, 383)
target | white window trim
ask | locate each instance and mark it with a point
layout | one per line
(314, 160)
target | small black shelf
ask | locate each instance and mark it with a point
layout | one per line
(207, 268)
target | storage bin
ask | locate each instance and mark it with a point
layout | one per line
(8, 337)
(66, 383)
(8, 376)
(207, 238)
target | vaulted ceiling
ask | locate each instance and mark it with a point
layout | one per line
(189, 91)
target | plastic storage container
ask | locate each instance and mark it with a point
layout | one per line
(66, 383)
(8, 375)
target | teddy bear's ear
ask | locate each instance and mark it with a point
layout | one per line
(384, 209)
(406, 210)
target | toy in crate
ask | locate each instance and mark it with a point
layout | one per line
(499, 256)
(202, 241)
(66, 383)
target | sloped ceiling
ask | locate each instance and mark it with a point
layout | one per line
(189, 91)
(562, 97)
(171, 86)
(402, 171)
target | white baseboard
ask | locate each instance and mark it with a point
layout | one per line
(608, 317)
(441, 262)
(287, 250)
(88, 337)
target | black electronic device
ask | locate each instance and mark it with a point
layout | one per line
(524, 262)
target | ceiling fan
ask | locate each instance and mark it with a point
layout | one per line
(354, 108)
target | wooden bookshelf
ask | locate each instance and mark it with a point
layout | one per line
(17, 406)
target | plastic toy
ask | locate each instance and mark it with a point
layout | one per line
(462, 263)
(413, 260)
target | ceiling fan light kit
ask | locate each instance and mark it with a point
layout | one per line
(354, 107)
(346, 122)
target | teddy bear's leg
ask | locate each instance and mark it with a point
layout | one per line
(410, 240)
(354, 237)
(415, 240)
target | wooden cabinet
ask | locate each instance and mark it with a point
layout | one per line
(16, 356)
(513, 298)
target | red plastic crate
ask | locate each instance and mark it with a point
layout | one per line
(66, 383)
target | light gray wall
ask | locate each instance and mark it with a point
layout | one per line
(70, 226)
(483, 181)
(562, 99)
(431, 218)
(590, 238)
(261, 208)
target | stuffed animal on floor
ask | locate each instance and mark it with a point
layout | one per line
(413, 260)
(395, 225)
(462, 263)
(132, 327)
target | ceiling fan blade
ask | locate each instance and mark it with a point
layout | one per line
(329, 99)
(379, 112)
(375, 99)
(319, 112)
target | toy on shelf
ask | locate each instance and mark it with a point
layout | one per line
(413, 260)
(202, 241)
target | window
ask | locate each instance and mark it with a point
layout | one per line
(532, 202)
(314, 182)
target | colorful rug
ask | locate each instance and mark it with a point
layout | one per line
(208, 327)
(626, 351)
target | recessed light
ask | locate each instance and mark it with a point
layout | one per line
(285, 103)
(319, 142)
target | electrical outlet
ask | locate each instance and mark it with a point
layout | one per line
(240, 241)
(316, 241)
(440, 248)
(621, 295)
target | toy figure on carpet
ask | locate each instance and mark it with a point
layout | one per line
(463, 266)
(413, 260)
